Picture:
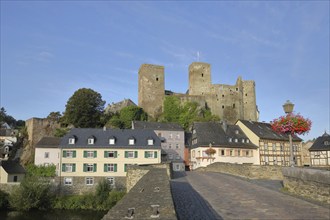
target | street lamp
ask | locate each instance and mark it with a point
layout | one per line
(288, 109)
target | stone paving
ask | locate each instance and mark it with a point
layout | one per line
(207, 195)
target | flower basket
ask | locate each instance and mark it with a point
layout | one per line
(291, 124)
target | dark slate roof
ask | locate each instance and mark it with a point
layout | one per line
(12, 167)
(265, 131)
(321, 143)
(102, 137)
(157, 126)
(49, 142)
(219, 134)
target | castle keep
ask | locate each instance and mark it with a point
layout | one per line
(229, 102)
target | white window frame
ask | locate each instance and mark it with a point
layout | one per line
(150, 142)
(90, 166)
(150, 154)
(46, 155)
(109, 154)
(71, 141)
(131, 141)
(90, 154)
(130, 154)
(69, 154)
(68, 167)
(112, 141)
(68, 181)
(89, 181)
(90, 140)
(111, 180)
(110, 167)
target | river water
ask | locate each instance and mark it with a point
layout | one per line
(53, 215)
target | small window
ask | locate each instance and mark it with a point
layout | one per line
(177, 136)
(90, 140)
(202, 74)
(150, 154)
(111, 180)
(131, 141)
(247, 141)
(231, 153)
(170, 156)
(177, 157)
(236, 140)
(239, 153)
(71, 140)
(223, 95)
(236, 89)
(222, 152)
(68, 181)
(326, 143)
(15, 179)
(223, 106)
(230, 139)
(170, 146)
(233, 105)
(130, 154)
(177, 146)
(110, 167)
(171, 136)
(156, 78)
(89, 181)
(150, 141)
(110, 154)
(89, 167)
(68, 167)
(243, 141)
(236, 132)
(112, 141)
(46, 154)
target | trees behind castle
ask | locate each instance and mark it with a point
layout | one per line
(185, 114)
(84, 109)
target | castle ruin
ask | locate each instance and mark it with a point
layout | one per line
(229, 102)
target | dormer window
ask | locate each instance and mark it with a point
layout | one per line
(236, 131)
(243, 140)
(230, 139)
(112, 141)
(72, 140)
(131, 141)
(247, 141)
(326, 143)
(236, 140)
(150, 141)
(90, 140)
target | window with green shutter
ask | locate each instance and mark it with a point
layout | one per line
(155, 154)
(85, 154)
(135, 154)
(74, 167)
(125, 167)
(63, 167)
(64, 153)
(94, 168)
(95, 153)
(115, 167)
(74, 154)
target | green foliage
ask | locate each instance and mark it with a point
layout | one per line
(54, 116)
(3, 200)
(84, 109)
(172, 109)
(41, 170)
(33, 193)
(126, 116)
(185, 114)
(11, 121)
(60, 132)
(103, 199)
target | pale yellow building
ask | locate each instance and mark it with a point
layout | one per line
(89, 155)
(274, 148)
(320, 151)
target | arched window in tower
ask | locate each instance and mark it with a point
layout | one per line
(202, 74)
(233, 105)
(156, 78)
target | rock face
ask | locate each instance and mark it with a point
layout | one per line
(229, 102)
(116, 107)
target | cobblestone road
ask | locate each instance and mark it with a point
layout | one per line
(206, 195)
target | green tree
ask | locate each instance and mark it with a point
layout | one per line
(4, 117)
(41, 170)
(33, 193)
(3, 200)
(54, 116)
(172, 109)
(84, 109)
(126, 116)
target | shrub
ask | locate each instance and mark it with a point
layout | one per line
(3, 200)
(33, 193)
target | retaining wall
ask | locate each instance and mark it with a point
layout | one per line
(311, 183)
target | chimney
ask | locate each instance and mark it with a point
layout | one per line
(224, 125)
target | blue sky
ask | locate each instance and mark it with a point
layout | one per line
(51, 49)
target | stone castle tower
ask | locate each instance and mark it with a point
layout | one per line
(229, 102)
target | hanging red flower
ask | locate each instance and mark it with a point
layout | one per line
(291, 123)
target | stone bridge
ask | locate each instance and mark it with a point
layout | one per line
(213, 195)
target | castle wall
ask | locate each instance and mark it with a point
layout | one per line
(229, 102)
(151, 89)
